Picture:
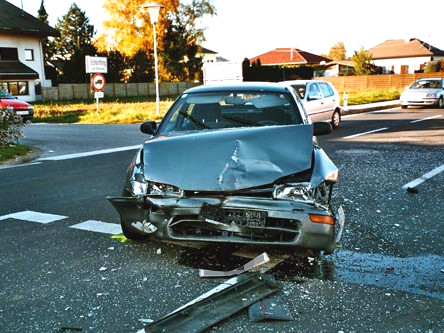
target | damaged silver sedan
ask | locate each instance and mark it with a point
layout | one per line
(234, 164)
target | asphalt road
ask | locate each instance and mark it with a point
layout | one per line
(388, 275)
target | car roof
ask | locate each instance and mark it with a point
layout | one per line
(240, 86)
(301, 81)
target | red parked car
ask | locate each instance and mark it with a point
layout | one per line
(23, 109)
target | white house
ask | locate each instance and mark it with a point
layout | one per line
(399, 56)
(22, 68)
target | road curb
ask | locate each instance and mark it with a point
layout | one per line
(370, 107)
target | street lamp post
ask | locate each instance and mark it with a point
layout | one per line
(153, 10)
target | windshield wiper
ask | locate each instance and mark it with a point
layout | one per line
(194, 120)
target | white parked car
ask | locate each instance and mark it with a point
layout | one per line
(424, 92)
(320, 99)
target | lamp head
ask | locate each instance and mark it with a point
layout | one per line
(153, 11)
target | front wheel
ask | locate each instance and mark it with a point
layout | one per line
(441, 102)
(336, 119)
(128, 230)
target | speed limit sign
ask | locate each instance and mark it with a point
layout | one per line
(98, 82)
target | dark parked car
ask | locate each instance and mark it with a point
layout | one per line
(235, 164)
(21, 108)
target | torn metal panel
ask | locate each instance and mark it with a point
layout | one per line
(197, 316)
(229, 160)
(270, 308)
(256, 262)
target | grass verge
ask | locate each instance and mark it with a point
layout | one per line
(359, 97)
(123, 111)
(12, 151)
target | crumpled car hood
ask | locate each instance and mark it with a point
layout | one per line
(229, 160)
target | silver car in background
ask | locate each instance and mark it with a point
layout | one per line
(424, 92)
(320, 99)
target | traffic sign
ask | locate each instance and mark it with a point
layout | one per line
(98, 82)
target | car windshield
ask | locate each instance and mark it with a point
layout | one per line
(218, 110)
(5, 95)
(426, 84)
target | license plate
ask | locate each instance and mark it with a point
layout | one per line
(241, 217)
(21, 113)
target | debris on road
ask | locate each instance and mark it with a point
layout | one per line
(258, 261)
(219, 303)
(269, 308)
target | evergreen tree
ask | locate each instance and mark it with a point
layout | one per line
(183, 40)
(76, 32)
(47, 46)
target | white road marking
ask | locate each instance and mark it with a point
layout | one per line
(423, 119)
(424, 177)
(365, 133)
(89, 153)
(17, 165)
(99, 226)
(31, 216)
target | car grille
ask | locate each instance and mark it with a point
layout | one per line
(235, 226)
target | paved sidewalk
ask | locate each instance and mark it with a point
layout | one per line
(370, 107)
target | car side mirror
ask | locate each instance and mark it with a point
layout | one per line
(322, 128)
(148, 127)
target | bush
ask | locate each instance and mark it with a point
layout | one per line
(11, 126)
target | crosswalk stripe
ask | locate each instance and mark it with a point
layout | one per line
(31, 216)
(99, 226)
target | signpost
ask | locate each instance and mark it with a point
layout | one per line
(98, 83)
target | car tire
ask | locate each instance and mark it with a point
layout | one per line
(128, 230)
(441, 102)
(403, 106)
(336, 119)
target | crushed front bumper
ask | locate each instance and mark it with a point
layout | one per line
(233, 219)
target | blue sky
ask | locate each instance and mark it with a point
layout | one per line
(246, 28)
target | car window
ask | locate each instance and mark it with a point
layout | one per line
(314, 92)
(426, 84)
(209, 111)
(300, 89)
(327, 91)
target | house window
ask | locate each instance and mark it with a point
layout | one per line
(8, 53)
(15, 88)
(29, 54)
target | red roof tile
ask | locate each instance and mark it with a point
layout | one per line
(288, 56)
(400, 48)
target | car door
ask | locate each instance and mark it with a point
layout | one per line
(329, 100)
(314, 102)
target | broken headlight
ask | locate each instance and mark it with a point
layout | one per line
(302, 192)
(139, 185)
(292, 191)
(164, 190)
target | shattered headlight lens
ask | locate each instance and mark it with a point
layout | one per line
(302, 192)
(139, 185)
(164, 190)
(139, 188)
(293, 191)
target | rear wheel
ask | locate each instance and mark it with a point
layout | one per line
(336, 119)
